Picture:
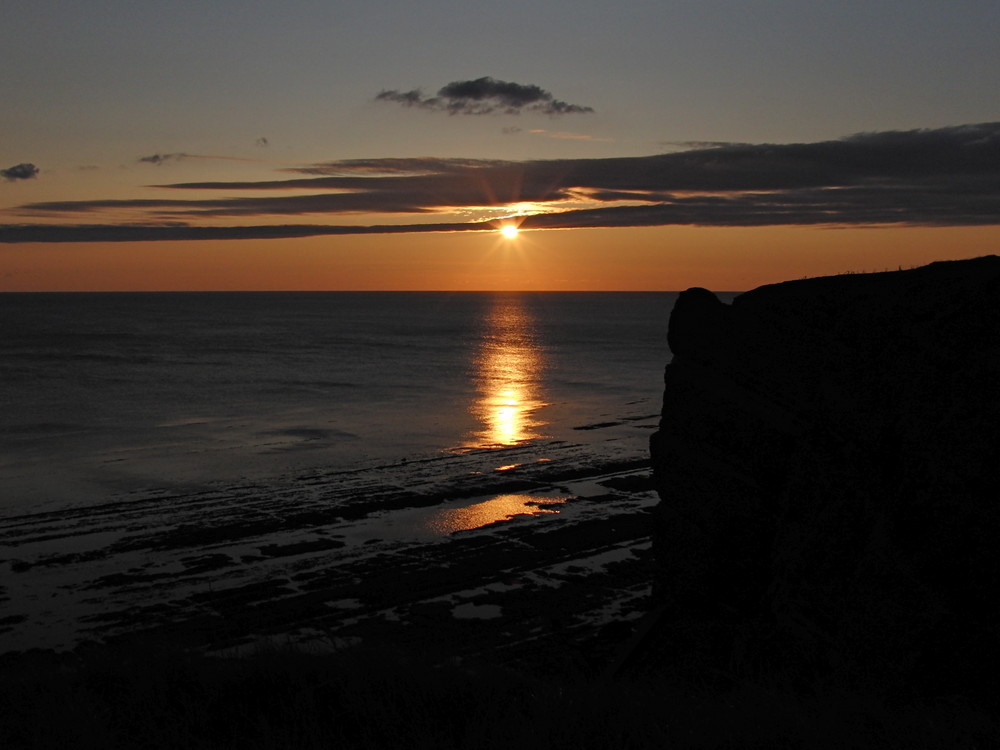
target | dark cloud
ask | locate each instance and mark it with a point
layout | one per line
(11, 233)
(158, 159)
(485, 96)
(23, 171)
(943, 177)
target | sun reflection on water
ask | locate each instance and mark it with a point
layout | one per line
(508, 370)
(499, 508)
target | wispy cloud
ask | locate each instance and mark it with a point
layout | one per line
(158, 159)
(943, 177)
(686, 145)
(564, 135)
(152, 233)
(22, 171)
(484, 96)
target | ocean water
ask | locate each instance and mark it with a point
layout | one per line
(106, 394)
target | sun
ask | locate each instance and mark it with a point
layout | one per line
(509, 231)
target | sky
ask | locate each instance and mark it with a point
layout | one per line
(308, 145)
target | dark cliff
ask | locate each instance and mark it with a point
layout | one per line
(828, 462)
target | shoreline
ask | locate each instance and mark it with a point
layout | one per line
(300, 560)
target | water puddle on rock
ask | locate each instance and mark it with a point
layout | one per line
(428, 524)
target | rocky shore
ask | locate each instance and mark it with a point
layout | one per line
(522, 555)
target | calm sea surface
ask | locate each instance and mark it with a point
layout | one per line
(102, 394)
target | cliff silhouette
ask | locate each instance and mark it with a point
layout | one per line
(828, 464)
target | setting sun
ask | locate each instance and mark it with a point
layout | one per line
(509, 231)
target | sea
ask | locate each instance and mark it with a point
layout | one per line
(106, 394)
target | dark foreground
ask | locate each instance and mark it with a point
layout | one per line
(132, 698)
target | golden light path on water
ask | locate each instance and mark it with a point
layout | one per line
(508, 369)
(508, 373)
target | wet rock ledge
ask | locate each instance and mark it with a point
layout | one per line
(828, 464)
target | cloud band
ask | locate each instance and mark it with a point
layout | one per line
(942, 177)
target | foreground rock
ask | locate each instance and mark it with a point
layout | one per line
(828, 462)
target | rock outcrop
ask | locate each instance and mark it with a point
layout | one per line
(828, 464)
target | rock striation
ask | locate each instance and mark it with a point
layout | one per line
(828, 463)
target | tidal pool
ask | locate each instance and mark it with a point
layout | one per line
(426, 524)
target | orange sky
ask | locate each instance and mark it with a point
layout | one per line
(132, 134)
(618, 259)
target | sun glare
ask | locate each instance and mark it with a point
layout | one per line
(509, 231)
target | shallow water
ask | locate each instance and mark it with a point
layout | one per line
(439, 521)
